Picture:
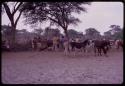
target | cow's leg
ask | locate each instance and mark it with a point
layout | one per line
(54, 45)
(66, 48)
(66, 51)
(80, 49)
(75, 50)
(95, 50)
(32, 45)
(57, 47)
(84, 49)
(117, 46)
(36, 47)
(105, 52)
(72, 48)
(100, 52)
(40, 46)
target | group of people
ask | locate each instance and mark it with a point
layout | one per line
(36, 43)
(56, 43)
(39, 43)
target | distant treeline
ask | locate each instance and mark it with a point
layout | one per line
(91, 33)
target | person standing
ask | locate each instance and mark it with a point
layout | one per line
(39, 43)
(66, 46)
(55, 43)
(7, 45)
(61, 42)
(34, 43)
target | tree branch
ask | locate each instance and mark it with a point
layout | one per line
(17, 8)
(56, 21)
(7, 9)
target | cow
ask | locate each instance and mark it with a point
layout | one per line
(79, 45)
(118, 44)
(101, 45)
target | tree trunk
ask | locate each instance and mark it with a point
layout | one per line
(13, 37)
(11, 18)
(66, 34)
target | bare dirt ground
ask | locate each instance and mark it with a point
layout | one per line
(48, 67)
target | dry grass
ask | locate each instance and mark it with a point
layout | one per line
(55, 68)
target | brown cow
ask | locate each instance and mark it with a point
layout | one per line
(118, 44)
(101, 45)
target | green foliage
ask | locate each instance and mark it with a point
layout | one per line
(114, 33)
(49, 32)
(74, 34)
(38, 31)
(92, 33)
(58, 13)
(118, 35)
(11, 10)
(34, 12)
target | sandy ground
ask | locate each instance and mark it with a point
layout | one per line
(48, 67)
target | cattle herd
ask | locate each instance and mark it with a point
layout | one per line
(56, 44)
(70, 45)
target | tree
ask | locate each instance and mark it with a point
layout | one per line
(118, 35)
(92, 33)
(2, 9)
(80, 34)
(59, 13)
(108, 35)
(115, 29)
(73, 33)
(114, 33)
(117, 32)
(49, 32)
(11, 13)
(38, 31)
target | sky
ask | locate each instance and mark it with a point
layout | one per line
(100, 15)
